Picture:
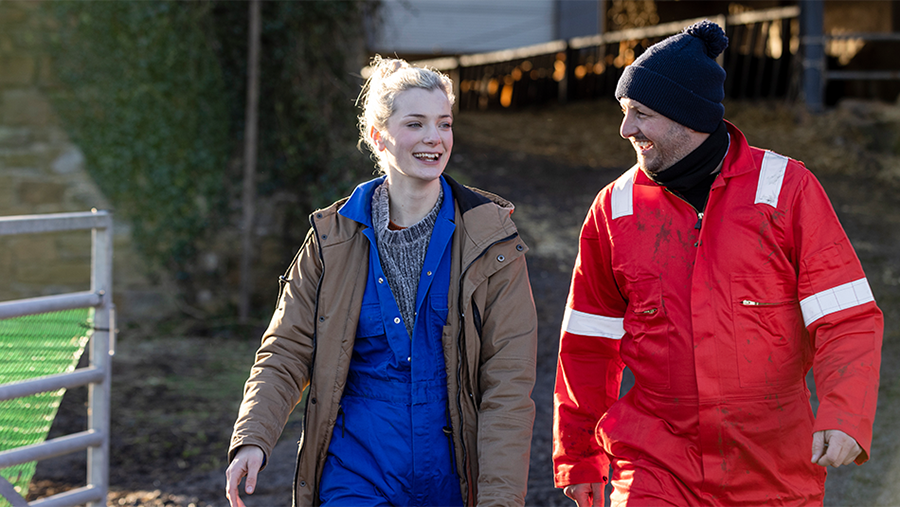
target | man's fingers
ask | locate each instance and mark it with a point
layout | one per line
(832, 455)
(839, 448)
(576, 494)
(597, 494)
(818, 446)
(580, 493)
(842, 452)
(586, 495)
(853, 455)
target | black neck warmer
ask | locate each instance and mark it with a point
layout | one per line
(692, 177)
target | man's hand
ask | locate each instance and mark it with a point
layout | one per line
(834, 447)
(586, 495)
(247, 462)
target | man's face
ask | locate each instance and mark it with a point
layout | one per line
(658, 141)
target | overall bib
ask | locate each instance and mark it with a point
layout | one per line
(391, 442)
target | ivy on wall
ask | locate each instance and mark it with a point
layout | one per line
(154, 94)
(141, 93)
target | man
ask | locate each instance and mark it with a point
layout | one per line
(719, 274)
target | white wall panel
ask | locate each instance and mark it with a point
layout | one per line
(462, 26)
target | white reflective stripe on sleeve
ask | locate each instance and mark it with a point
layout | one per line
(771, 175)
(622, 195)
(587, 324)
(832, 300)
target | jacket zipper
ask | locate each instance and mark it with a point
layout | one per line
(312, 364)
(459, 339)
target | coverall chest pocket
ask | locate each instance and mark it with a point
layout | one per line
(437, 315)
(768, 331)
(370, 346)
(648, 325)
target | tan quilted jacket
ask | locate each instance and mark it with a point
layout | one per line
(490, 344)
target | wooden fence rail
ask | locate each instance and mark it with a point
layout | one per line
(760, 61)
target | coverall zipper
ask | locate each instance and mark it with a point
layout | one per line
(699, 213)
(747, 302)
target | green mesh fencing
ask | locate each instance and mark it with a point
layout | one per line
(30, 347)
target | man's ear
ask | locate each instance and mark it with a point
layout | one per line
(376, 137)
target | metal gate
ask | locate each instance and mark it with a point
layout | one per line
(96, 375)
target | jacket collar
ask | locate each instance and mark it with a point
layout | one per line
(738, 160)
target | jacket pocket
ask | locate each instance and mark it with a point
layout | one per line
(768, 331)
(647, 335)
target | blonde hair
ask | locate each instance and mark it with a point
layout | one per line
(389, 77)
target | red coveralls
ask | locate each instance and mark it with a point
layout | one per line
(719, 316)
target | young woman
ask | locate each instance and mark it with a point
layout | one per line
(408, 315)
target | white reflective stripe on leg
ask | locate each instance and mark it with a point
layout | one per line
(587, 324)
(771, 175)
(622, 199)
(833, 300)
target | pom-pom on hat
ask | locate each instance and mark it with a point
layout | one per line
(679, 77)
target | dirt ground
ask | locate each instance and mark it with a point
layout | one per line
(171, 426)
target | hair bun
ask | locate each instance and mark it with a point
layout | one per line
(384, 67)
(711, 34)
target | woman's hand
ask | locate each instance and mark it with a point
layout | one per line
(246, 462)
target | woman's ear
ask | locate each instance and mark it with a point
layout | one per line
(376, 137)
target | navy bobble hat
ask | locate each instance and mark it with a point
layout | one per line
(679, 77)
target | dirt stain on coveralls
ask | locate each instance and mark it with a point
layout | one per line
(764, 233)
(662, 235)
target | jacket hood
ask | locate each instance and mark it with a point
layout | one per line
(492, 213)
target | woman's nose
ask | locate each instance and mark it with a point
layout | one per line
(431, 136)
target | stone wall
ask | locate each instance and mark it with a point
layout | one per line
(42, 171)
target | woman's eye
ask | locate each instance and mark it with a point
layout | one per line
(414, 124)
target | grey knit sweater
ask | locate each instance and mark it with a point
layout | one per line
(402, 252)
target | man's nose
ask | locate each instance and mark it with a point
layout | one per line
(627, 128)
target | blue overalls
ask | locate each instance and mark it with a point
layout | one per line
(389, 445)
